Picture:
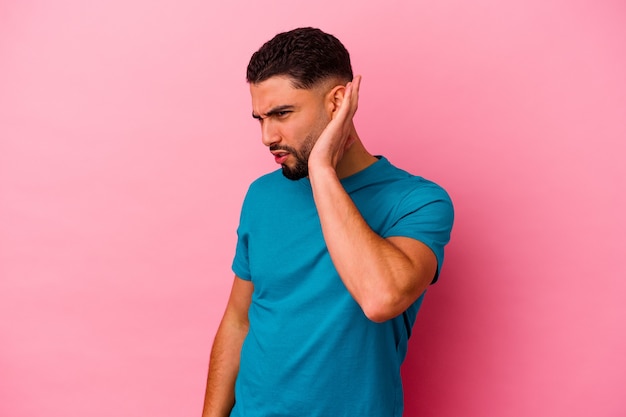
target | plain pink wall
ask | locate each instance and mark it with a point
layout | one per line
(126, 146)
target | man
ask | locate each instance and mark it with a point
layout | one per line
(334, 253)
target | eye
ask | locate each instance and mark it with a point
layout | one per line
(283, 113)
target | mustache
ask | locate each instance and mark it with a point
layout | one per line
(283, 148)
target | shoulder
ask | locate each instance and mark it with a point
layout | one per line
(270, 179)
(426, 190)
(416, 200)
(274, 190)
(266, 184)
(411, 187)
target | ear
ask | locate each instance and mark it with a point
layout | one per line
(334, 98)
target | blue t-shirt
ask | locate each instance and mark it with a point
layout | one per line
(310, 350)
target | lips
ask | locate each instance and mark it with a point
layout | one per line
(280, 157)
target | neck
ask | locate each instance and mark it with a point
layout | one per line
(355, 159)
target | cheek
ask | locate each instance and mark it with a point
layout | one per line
(305, 128)
(319, 125)
(297, 131)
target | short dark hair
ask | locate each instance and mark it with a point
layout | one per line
(306, 55)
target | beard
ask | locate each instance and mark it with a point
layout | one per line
(301, 167)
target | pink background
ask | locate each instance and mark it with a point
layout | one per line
(126, 147)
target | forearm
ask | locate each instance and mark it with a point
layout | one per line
(380, 277)
(223, 369)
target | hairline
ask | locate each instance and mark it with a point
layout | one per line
(330, 81)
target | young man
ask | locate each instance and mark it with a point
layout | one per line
(334, 253)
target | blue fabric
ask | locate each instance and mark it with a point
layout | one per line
(310, 350)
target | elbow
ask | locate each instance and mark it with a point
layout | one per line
(383, 308)
(386, 305)
(378, 316)
(391, 297)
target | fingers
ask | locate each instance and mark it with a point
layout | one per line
(349, 103)
(356, 83)
(352, 94)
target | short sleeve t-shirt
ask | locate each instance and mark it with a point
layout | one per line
(310, 350)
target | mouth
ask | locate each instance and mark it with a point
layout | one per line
(280, 157)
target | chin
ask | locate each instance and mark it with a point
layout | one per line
(295, 174)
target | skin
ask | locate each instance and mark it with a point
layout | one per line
(285, 112)
(384, 276)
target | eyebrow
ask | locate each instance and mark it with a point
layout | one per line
(273, 111)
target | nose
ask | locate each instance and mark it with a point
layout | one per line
(269, 133)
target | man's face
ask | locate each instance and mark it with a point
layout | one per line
(291, 121)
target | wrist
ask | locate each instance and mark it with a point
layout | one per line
(321, 172)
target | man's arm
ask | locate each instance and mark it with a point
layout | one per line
(385, 276)
(224, 362)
